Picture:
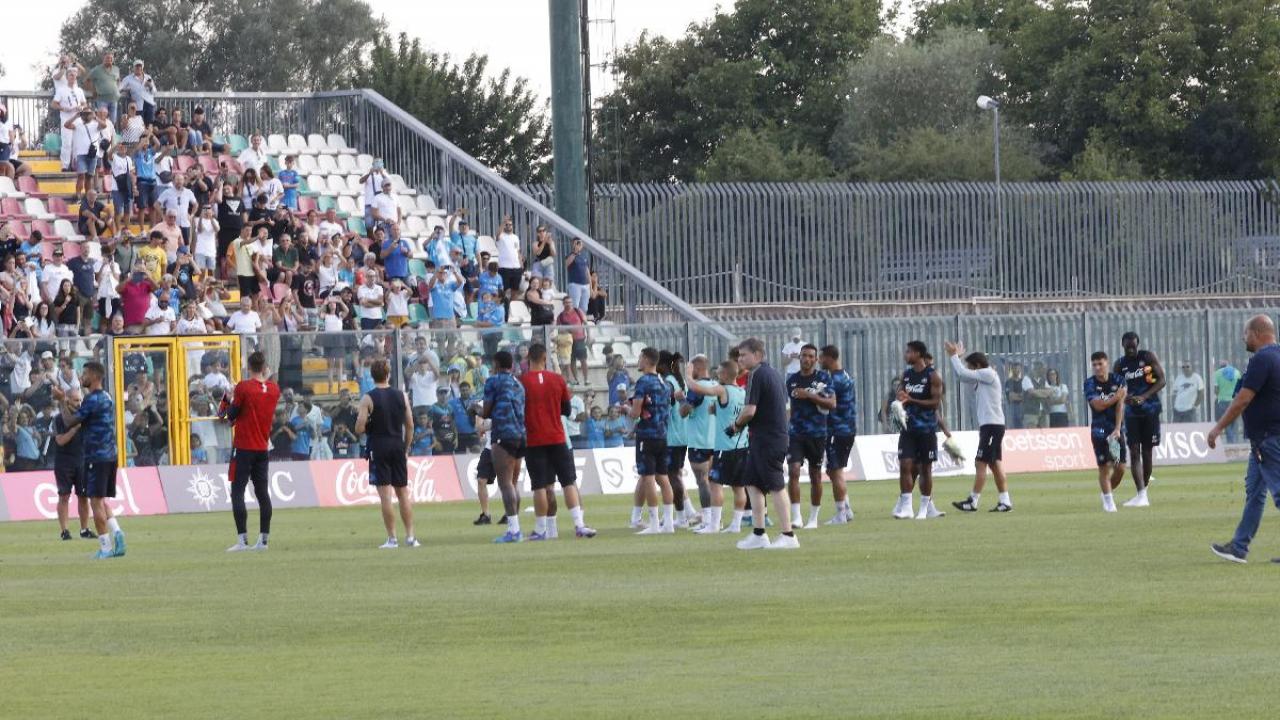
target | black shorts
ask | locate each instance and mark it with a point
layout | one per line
(651, 457)
(675, 459)
(388, 463)
(579, 349)
(511, 279)
(839, 447)
(697, 456)
(990, 444)
(922, 447)
(248, 285)
(806, 448)
(763, 468)
(1139, 429)
(248, 466)
(100, 478)
(484, 468)
(69, 479)
(726, 467)
(548, 463)
(514, 448)
(1102, 452)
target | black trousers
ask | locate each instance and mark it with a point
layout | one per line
(250, 466)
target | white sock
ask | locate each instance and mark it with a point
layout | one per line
(813, 513)
(1004, 498)
(795, 510)
(715, 517)
(736, 524)
(262, 538)
(113, 525)
(635, 514)
(540, 525)
(974, 497)
(924, 501)
(243, 538)
(668, 515)
(576, 513)
(513, 523)
(553, 528)
(104, 541)
(1107, 498)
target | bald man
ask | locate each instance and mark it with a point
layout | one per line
(1258, 399)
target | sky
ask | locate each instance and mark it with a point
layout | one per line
(514, 33)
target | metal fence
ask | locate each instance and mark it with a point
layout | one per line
(871, 350)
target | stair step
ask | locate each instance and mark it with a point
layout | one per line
(32, 154)
(45, 166)
(328, 388)
(314, 364)
(58, 187)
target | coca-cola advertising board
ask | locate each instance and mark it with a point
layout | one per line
(206, 488)
(34, 495)
(342, 483)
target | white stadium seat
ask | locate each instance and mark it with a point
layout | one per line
(328, 165)
(338, 185)
(405, 203)
(298, 145)
(416, 227)
(35, 208)
(339, 144)
(318, 145)
(364, 163)
(67, 231)
(277, 145)
(518, 313)
(307, 165)
(347, 164)
(433, 222)
(348, 205)
(484, 243)
(427, 205)
(399, 185)
(356, 187)
(8, 189)
(319, 184)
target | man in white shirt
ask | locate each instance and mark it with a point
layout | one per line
(160, 318)
(373, 182)
(142, 90)
(791, 352)
(182, 203)
(385, 210)
(1188, 394)
(90, 132)
(981, 383)
(244, 321)
(254, 156)
(54, 272)
(68, 101)
(423, 382)
(330, 226)
(510, 261)
(372, 300)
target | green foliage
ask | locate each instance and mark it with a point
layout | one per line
(926, 154)
(759, 156)
(766, 62)
(243, 45)
(500, 121)
(1104, 161)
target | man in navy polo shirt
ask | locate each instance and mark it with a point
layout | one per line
(1259, 401)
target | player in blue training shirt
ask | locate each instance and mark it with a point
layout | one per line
(97, 420)
(920, 392)
(504, 408)
(1144, 379)
(842, 429)
(672, 373)
(811, 401)
(1105, 392)
(650, 406)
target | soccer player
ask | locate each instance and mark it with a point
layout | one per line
(677, 443)
(650, 405)
(547, 454)
(981, 385)
(811, 401)
(1144, 379)
(765, 413)
(1105, 392)
(384, 418)
(700, 433)
(921, 394)
(842, 431)
(98, 416)
(504, 409)
(250, 410)
(1259, 401)
(485, 476)
(68, 467)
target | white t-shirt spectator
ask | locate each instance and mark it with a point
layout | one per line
(386, 206)
(1185, 390)
(88, 133)
(52, 278)
(244, 323)
(108, 272)
(168, 317)
(121, 164)
(140, 90)
(373, 188)
(370, 293)
(216, 379)
(69, 99)
(274, 190)
(194, 326)
(206, 238)
(131, 131)
(398, 303)
(6, 134)
(181, 202)
(572, 427)
(329, 229)
(422, 387)
(792, 348)
(509, 251)
(250, 158)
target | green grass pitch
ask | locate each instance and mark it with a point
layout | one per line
(1055, 610)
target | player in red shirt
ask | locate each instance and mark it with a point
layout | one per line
(547, 455)
(250, 410)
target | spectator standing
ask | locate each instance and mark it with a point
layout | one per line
(1057, 404)
(599, 302)
(91, 135)
(1225, 380)
(462, 237)
(182, 203)
(125, 177)
(69, 101)
(541, 308)
(142, 90)
(373, 302)
(575, 320)
(131, 125)
(578, 268)
(544, 255)
(144, 163)
(1014, 390)
(491, 317)
(373, 182)
(510, 259)
(161, 319)
(395, 252)
(271, 187)
(791, 353)
(244, 321)
(84, 278)
(1188, 394)
(442, 286)
(107, 273)
(103, 81)
(289, 181)
(254, 156)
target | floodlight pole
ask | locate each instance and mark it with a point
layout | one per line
(987, 103)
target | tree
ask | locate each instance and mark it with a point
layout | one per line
(759, 156)
(770, 63)
(925, 154)
(499, 121)
(243, 45)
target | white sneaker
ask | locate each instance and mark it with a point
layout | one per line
(1109, 505)
(412, 542)
(707, 529)
(732, 529)
(668, 529)
(238, 547)
(784, 542)
(839, 519)
(929, 511)
(811, 525)
(902, 510)
(259, 546)
(682, 522)
(1139, 500)
(390, 544)
(754, 542)
(651, 530)
(638, 525)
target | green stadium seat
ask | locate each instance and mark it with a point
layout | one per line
(418, 313)
(53, 143)
(275, 164)
(237, 144)
(417, 268)
(356, 225)
(324, 202)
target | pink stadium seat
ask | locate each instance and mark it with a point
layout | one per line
(209, 165)
(58, 207)
(44, 227)
(12, 208)
(28, 185)
(306, 204)
(185, 162)
(20, 230)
